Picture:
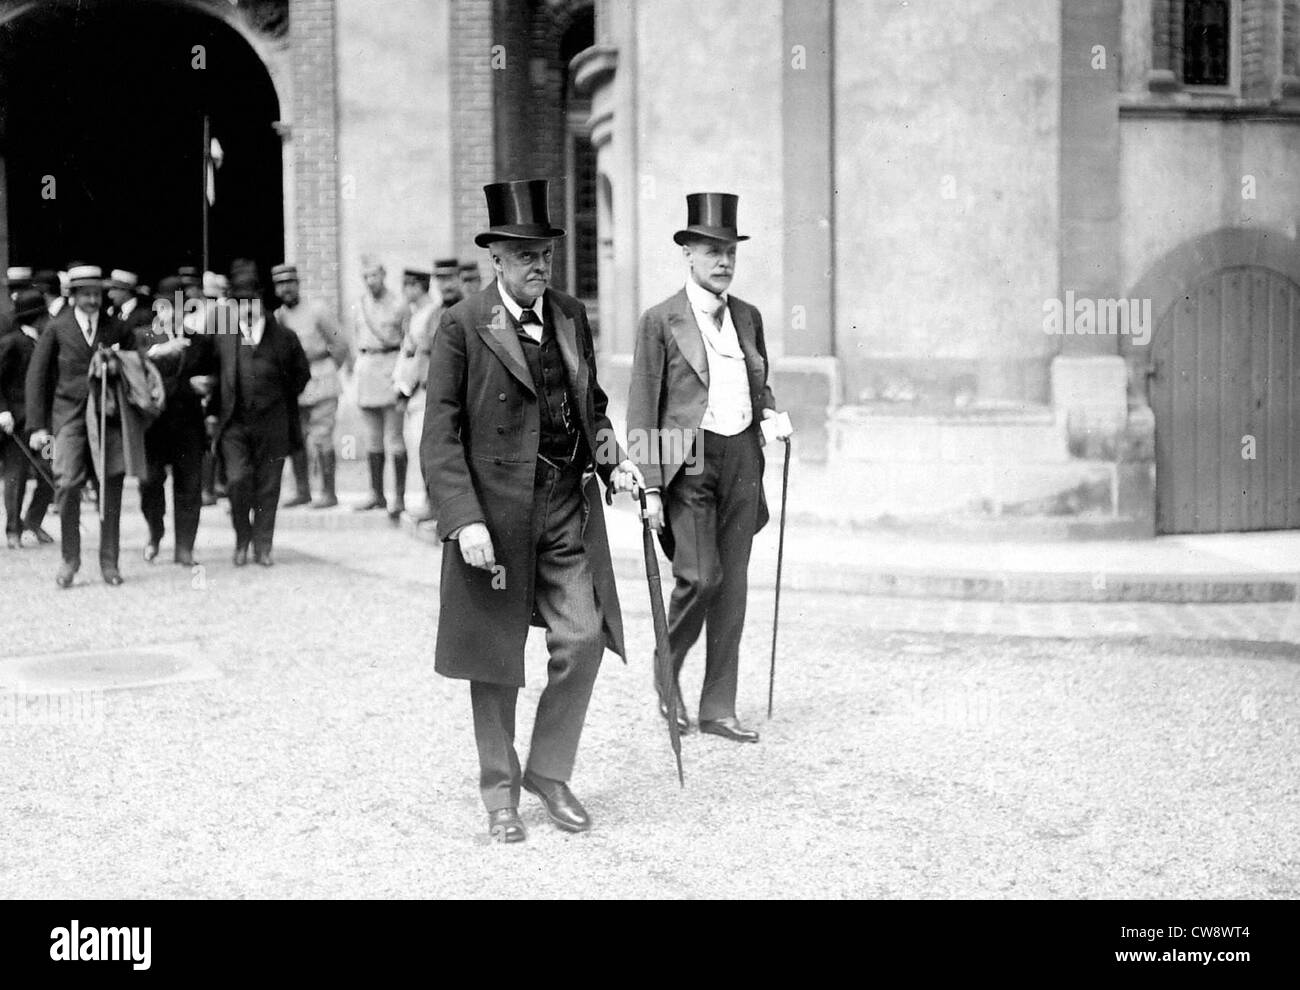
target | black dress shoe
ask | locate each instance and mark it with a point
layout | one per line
(209, 499)
(67, 572)
(263, 557)
(301, 498)
(505, 826)
(241, 556)
(729, 728)
(111, 576)
(185, 558)
(151, 551)
(683, 721)
(561, 806)
(15, 541)
(42, 537)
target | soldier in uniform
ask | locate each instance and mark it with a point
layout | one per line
(446, 276)
(327, 351)
(57, 393)
(16, 349)
(700, 371)
(380, 323)
(413, 364)
(515, 431)
(470, 279)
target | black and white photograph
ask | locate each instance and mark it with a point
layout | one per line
(717, 450)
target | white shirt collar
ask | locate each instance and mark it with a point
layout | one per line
(513, 307)
(254, 332)
(30, 331)
(128, 307)
(702, 299)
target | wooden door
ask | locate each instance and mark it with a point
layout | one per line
(1227, 405)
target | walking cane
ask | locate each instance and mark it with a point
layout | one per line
(665, 678)
(780, 559)
(103, 433)
(41, 473)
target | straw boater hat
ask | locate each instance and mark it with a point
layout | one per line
(119, 278)
(85, 277)
(18, 278)
(518, 211)
(284, 273)
(712, 216)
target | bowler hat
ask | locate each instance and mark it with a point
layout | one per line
(710, 215)
(28, 303)
(518, 211)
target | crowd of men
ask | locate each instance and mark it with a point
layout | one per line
(222, 419)
(495, 386)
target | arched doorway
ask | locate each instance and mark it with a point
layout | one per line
(1225, 359)
(102, 128)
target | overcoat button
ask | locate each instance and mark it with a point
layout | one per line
(502, 397)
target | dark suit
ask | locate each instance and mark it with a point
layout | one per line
(483, 430)
(57, 390)
(16, 349)
(713, 506)
(256, 399)
(177, 438)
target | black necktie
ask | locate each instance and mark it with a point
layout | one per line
(530, 316)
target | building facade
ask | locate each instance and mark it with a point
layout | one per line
(1013, 256)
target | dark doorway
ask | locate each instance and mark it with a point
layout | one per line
(107, 100)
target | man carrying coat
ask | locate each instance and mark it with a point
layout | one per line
(514, 425)
(699, 391)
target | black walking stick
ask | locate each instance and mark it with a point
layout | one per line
(665, 676)
(39, 468)
(780, 559)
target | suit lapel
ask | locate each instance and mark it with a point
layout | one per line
(686, 331)
(497, 329)
(566, 335)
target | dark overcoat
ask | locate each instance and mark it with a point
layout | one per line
(669, 392)
(478, 451)
(57, 385)
(295, 373)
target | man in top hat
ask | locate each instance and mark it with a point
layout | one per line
(412, 369)
(327, 351)
(57, 395)
(515, 430)
(176, 439)
(699, 391)
(379, 327)
(16, 351)
(471, 281)
(261, 371)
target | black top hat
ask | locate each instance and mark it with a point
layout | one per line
(28, 304)
(711, 215)
(518, 211)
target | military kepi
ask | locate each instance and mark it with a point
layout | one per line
(711, 215)
(518, 211)
(284, 273)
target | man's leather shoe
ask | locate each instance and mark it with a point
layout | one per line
(241, 556)
(209, 499)
(185, 558)
(728, 728)
(42, 537)
(683, 721)
(111, 576)
(67, 571)
(15, 541)
(506, 826)
(561, 806)
(325, 502)
(150, 552)
(263, 557)
(301, 498)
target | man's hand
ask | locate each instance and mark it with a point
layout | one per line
(174, 346)
(654, 511)
(39, 439)
(202, 385)
(784, 429)
(627, 478)
(476, 546)
(7, 422)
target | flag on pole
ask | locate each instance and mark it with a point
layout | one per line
(215, 157)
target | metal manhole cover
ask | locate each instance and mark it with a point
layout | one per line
(107, 670)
